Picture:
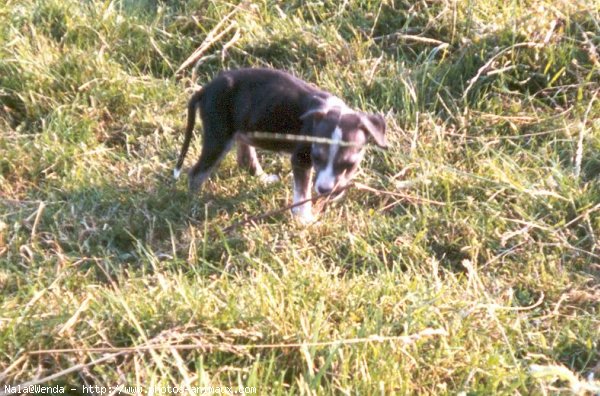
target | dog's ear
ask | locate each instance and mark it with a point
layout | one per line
(316, 114)
(374, 125)
(318, 110)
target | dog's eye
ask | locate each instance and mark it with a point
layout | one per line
(318, 159)
(345, 166)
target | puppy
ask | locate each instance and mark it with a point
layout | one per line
(274, 110)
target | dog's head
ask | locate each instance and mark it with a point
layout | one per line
(341, 135)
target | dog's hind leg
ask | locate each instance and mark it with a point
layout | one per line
(217, 141)
(210, 157)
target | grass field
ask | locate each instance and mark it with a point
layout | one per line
(466, 260)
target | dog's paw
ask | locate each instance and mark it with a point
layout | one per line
(303, 216)
(194, 186)
(306, 220)
(268, 178)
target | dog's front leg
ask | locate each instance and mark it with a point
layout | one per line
(302, 169)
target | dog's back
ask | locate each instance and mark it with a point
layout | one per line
(260, 99)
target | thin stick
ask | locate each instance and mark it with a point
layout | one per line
(281, 210)
(360, 186)
(301, 138)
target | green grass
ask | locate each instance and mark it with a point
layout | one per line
(482, 222)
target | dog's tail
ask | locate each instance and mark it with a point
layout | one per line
(189, 130)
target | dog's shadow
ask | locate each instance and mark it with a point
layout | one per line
(156, 218)
(236, 193)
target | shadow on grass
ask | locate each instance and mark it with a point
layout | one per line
(134, 225)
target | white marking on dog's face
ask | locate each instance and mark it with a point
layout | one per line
(326, 178)
(336, 162)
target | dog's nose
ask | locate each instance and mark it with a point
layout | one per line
(324, 189)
